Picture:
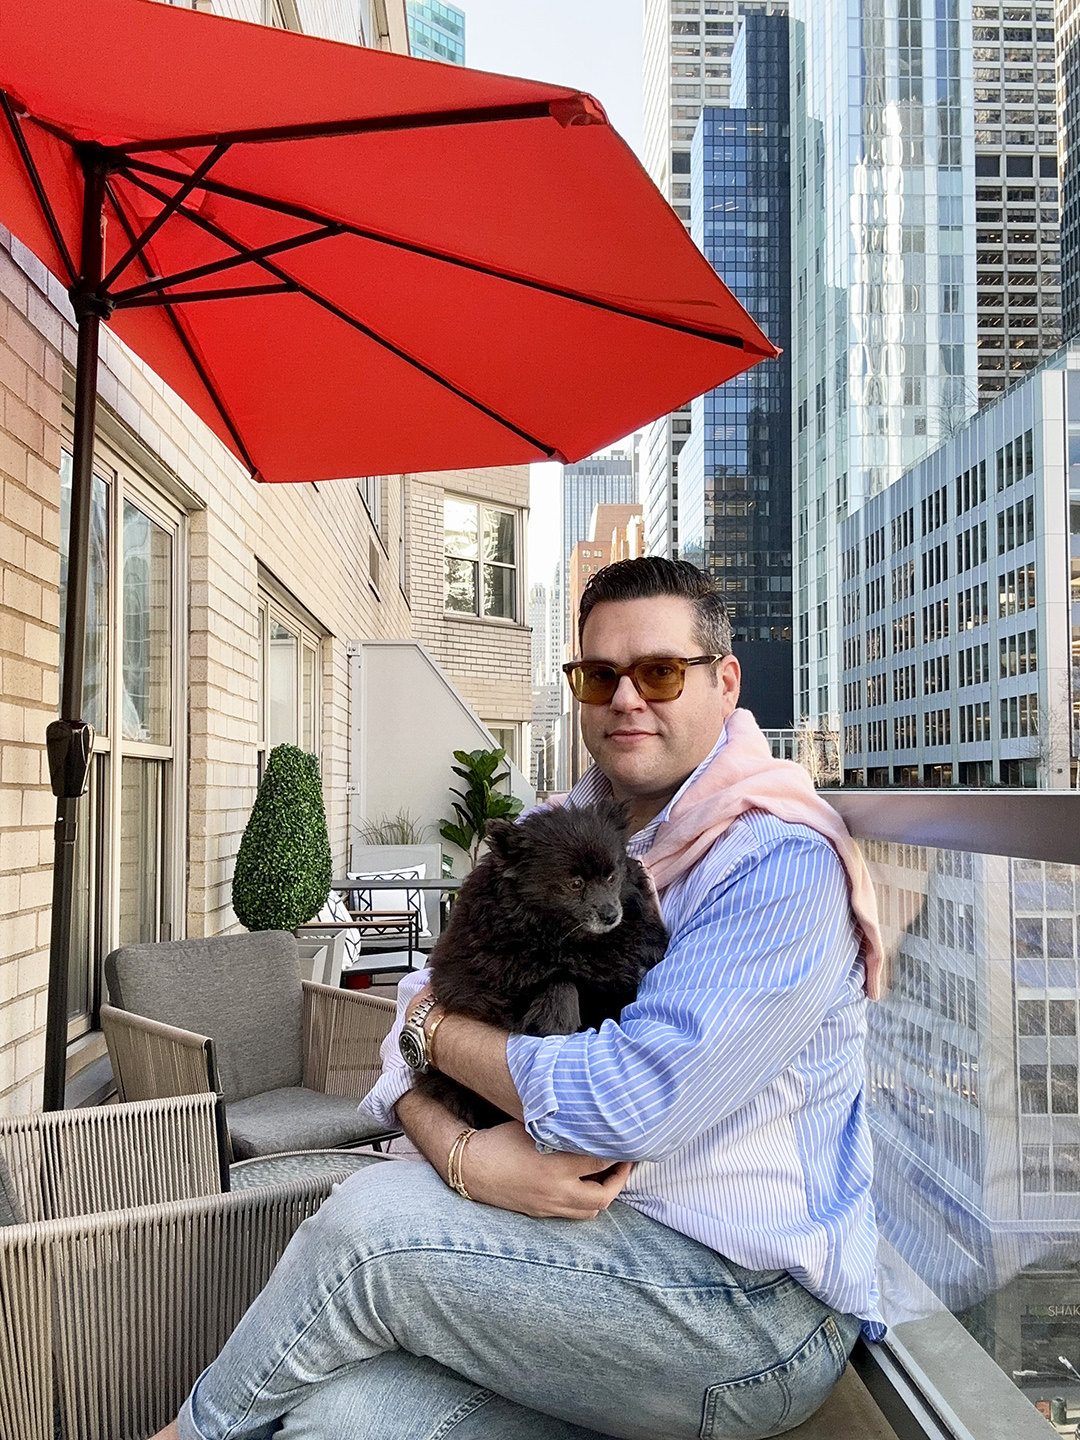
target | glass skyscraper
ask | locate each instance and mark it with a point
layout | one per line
(688, 47)
(735, 469)
(907, 314)
(436, 31)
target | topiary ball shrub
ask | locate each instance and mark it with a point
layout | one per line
(284, 868)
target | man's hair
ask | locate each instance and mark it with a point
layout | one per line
(649, 578)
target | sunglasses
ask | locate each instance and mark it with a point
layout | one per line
(594, 682)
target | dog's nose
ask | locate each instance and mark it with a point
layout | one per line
(609, 915)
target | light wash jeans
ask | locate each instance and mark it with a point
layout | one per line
(403, 1312)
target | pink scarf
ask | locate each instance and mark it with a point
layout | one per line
(744, 776)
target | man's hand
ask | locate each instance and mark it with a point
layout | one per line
(503, 1167)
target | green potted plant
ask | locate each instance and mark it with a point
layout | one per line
(480, 801)
(284, 868)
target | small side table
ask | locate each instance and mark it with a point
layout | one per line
(297, 1165)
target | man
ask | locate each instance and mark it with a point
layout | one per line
(712, 1145)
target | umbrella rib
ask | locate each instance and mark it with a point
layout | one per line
(192, 354)
(201, 272)
(174, 202)
(376, 124)
(39, 188)
(321, 300)
(300, 212)
(232, 293)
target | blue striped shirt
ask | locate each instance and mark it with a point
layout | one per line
(735, 1078)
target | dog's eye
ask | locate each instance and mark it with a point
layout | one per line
(575, 883)
(610, 879)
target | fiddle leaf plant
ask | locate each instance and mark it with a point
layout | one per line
(480, 800)
(284, 867)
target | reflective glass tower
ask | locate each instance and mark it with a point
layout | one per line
(907, 312)
(688, 47)
(436, 31)
(735, 469)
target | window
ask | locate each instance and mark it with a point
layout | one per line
(480, 560)
(507, 736)
(289, 656)
(129, 854)
(370, 489)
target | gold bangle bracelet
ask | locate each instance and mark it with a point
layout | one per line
(454, 1164)
(431, 1038)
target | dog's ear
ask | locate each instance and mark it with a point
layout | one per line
(503, 841)
(618, 813)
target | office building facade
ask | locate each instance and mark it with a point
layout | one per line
(1067, 46)
(607, 478)
(436, 31)
(735, 469)
(688, 46)
(1017, 221)
(961, 628)
(907, 312)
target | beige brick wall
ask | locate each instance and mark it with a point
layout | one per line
(30, 403)
(488, 661)
(314, 540)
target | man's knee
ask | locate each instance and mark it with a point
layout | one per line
(385, 1208)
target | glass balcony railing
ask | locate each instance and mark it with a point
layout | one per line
(973, 1064)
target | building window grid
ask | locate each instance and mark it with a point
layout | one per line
(1016, 591)
(1019, 717)
(1016, 525)
(973, 665)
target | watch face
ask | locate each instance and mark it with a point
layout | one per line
(412, 1051)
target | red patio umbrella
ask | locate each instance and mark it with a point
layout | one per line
(347, 262)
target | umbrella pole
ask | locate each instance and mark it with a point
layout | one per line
(69, 740)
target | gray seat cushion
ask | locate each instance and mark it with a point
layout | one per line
(244, 991)
(297, 1119)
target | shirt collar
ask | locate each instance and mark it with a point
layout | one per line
(594, 785)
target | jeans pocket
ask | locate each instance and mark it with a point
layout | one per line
(776, 1400)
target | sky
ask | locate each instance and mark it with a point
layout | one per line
(594, 45)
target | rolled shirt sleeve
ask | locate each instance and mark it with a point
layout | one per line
(745, 986)
(396, 1079)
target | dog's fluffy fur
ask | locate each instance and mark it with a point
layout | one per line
(551, 933)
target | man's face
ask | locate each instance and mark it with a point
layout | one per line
(648, 748)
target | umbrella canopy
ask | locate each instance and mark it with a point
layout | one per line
(346, 262)
(351, 262)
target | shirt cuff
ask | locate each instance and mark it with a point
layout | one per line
(396, 1078)
(532, 1062)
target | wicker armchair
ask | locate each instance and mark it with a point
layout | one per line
(230, 1015)
(123, 1270)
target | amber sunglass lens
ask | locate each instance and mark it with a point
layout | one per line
(594, 684)
(658, 679)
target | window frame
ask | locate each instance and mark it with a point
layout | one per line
(482, 507)
(271, 607)
(101, 816)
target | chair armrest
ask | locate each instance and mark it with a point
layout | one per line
(343, 1030)
(112, 1157)
(151, 1060)
(121, 1312)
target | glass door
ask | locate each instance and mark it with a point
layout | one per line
(130, 843)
